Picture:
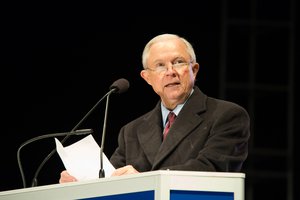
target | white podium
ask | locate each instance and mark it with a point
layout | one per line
(155, 185)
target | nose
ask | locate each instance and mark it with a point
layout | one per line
(170, 67)
(170, 70)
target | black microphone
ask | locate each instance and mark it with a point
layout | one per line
(119, 86)
(77, 132)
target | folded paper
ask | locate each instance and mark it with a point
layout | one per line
(82, 159)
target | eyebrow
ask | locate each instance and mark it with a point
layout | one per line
(173, 59)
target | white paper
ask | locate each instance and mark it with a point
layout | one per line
(82, 159)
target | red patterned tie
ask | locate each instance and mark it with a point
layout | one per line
(171, 119)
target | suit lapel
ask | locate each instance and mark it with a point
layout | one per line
(150, 136)
(176, 134)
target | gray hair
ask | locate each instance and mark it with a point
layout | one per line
(164, 37)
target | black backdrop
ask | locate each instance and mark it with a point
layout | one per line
(58, 60)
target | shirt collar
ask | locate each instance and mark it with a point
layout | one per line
(177, 109)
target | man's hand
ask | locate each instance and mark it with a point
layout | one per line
(128, 169)
(65, 177)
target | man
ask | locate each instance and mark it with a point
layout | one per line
(207, 134)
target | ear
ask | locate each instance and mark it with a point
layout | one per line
(195, 68)
(145, 75)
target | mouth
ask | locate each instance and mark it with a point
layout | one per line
(172, 84)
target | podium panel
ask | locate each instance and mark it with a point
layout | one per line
(155, 185)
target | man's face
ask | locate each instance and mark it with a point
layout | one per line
(170, 72)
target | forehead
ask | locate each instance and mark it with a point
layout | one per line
(168, 48)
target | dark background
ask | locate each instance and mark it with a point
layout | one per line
(58, 60)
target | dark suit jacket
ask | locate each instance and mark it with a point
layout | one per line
(208, 135)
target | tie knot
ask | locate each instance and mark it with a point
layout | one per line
(171, 116)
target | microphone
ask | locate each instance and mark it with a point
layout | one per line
(77, 132)
(119, 86)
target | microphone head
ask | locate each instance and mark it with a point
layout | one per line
(119, 86)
